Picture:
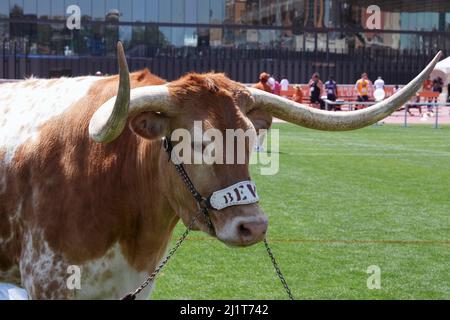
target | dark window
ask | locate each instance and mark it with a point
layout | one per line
(203, 37)
(44, 38)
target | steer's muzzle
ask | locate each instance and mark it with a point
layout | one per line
(240, 225)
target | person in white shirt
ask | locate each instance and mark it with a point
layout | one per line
(379, 83)
(284, 86)
(271, 82)
(379, 92)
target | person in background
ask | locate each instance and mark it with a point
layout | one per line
(271, 82)
(407, 105)
(394, 91)
(331, 89)
(284, 86)
(298, 94)
(276, 88)
(379, 93)
(362, 87)
(262, 84)
(438, 83)
(379, 83)
(316, 88)
(427, 85)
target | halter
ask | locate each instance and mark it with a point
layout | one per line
(243, 192)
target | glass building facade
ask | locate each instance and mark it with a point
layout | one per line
(297, 25)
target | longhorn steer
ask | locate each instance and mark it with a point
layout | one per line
(85, 181)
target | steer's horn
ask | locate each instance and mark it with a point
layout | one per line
(109, 120)
(339, 121)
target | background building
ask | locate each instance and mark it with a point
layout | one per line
(236, 36)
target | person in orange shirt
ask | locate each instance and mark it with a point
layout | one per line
(362, 87)
(427, 85)
(262, 84)
(298, 94)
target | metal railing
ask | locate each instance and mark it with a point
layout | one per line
(436, 106)
(407, 106)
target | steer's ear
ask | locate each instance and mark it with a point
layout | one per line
(150, 125)
(260, 119)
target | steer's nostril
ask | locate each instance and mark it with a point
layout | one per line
(244, 231)
(252, 231)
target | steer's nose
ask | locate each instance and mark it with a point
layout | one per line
(252, 231)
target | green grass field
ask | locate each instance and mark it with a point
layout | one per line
(340, 203)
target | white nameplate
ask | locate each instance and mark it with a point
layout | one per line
(243, 192)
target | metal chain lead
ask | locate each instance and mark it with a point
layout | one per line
(152, 276)
(204, 212)
(277, 270)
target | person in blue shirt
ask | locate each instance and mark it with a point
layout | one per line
(331, 90)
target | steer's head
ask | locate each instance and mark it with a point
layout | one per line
(196, 107)
(218, 128)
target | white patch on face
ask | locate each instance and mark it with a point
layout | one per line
(27, 105)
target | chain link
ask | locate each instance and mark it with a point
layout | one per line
(277, 270)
